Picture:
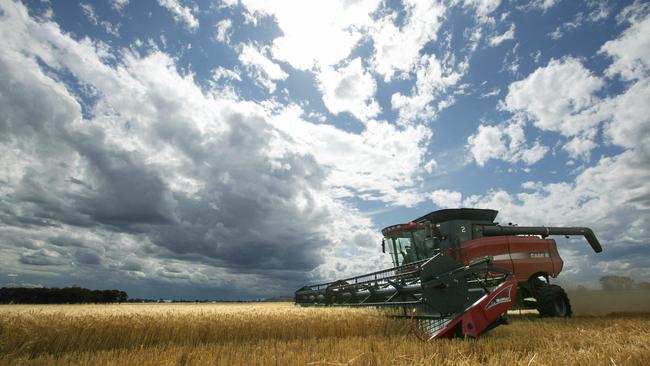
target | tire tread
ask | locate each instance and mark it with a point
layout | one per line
(545, 301)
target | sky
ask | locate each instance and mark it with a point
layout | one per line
(242, 149)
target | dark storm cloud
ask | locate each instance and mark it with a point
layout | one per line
(66, 241)
(131, 264)
(20, 241)
(42, 257)
(245, 216)
(86, 256)
(98, 207)
(125, 191)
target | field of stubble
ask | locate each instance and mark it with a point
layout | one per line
(282, 334)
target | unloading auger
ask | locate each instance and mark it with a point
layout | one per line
(458, 272)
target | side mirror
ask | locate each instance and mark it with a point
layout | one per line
(383, 245)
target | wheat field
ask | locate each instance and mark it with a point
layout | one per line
(283, 334)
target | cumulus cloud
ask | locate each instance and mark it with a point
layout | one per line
(349, 89)
(483, 7)
(630, 123)
(560, 97)
(504, 142)
(181, 14)
(630, 51)
(315, 33)
(221, 73)
(223, 30)
(433, 77)
(264, 71)
(397, 49)
(620, 219)
(444, 198)
(165, 181)
(363, 165)
(318, 36)
(163, 170)
(628, 112)
(555, 96)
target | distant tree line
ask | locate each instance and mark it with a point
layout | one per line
(67, 295)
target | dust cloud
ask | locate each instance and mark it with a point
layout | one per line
(602, 302)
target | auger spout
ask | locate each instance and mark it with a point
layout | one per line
(544, 231)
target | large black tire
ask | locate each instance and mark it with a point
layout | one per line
(552, 301)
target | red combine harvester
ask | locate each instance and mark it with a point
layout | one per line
(457, 272)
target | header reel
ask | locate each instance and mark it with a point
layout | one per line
(441, 297)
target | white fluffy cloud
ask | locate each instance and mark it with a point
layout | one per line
(397, 49)
(433, 77)
(222, 73)
(222, 31)
(505, 142)
(262, 69)
(612, 196)
(483, 7)
(628, 114)
(631, 51)
(381, 163)
(349, 89)
(630, 123)
(315, 33)
(181, 14)
(318, 35)
(444, 198)
(507, 35)
(554, 97)
(561, 97)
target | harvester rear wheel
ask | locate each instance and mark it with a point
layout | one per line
(552, 301)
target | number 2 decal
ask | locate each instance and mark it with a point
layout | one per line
(462, 229)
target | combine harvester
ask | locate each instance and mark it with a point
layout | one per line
(457, 273)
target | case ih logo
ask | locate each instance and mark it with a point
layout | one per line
(501, 297)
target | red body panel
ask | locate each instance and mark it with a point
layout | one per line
(524, 256)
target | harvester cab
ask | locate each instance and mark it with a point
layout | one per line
(457, 272)
(438, 232)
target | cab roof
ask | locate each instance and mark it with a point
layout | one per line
(473, 214)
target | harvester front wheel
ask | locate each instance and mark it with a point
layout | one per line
(552, 301)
